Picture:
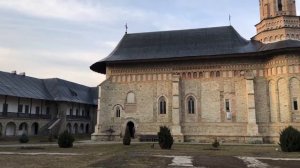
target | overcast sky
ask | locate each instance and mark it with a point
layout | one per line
(62, 38)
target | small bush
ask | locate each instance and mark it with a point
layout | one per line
(215, 144)
(127, 137)
(65, 140)
(165, 138)
(23, 138)
(289, 140)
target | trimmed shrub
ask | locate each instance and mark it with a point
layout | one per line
(215, 144)
(24, 138)
(165, 138)
(289, 140)
(127, 137)
(65, 140)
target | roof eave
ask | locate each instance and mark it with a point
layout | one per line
(234, 55)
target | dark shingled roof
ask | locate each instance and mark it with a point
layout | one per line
(46, 89)
(215, 41)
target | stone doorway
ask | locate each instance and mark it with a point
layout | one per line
(131, 128)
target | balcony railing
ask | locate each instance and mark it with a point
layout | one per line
(73, 117)
(24, 115)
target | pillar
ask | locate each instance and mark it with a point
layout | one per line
(98, 135)
(176, 127)
(252, 127)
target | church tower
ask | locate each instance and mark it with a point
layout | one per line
(278, 21)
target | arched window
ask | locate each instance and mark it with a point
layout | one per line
(191, 105)
(118, 112)
(130, 98)
(279, 4)
(162, 105)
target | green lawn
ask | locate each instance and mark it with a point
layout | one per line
(135, 155)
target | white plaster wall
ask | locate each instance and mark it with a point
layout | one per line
(12, 104)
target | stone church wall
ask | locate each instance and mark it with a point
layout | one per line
(136, 90)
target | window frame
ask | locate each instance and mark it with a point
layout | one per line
(279, 5)
(162, 105)
(5, 108)
(191, 105)
(118, 112)
(227, 109)
(26, 109)
(128, 97)
(37, 110)
(295, 104)
(20, 108)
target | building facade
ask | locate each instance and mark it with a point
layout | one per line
(42, 107)
(204, 83)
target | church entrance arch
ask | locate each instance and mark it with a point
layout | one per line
(131, 128)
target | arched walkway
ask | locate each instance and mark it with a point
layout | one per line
(69, 128)
(87, 128)
(75, 128)
(23, 128)
(81, 128)
(35, 129)
(10, 129)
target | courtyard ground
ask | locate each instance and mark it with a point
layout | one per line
(142, 155)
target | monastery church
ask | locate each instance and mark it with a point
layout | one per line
(205, 83)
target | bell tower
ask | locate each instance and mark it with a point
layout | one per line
(278, 21)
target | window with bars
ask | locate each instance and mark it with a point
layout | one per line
(279, 5)
(162, 106)
(118, 112)
(227, 105)
(295, 104)
(191, 105)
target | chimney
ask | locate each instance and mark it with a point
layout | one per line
(22, 74)
(14, 72)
